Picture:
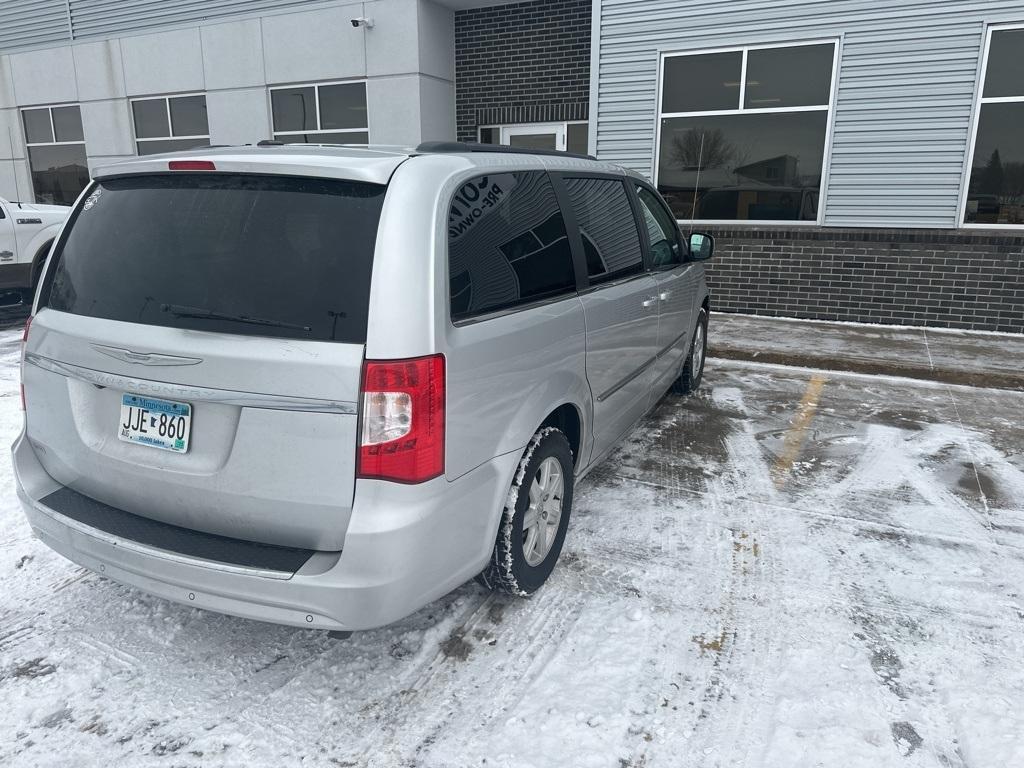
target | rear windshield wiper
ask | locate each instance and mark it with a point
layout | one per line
(183, 310)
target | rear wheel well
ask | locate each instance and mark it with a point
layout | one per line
(38, 260)
(567, 419)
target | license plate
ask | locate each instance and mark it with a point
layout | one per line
(156, 423)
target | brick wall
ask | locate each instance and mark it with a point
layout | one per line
(521, 63)
(972, 280)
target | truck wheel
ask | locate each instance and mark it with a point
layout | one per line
(535, 517)
(693, 368)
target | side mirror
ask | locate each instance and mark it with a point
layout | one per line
(702, 246)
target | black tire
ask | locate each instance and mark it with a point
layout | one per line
(508, 570)
(689, 378)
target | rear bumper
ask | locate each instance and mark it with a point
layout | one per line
(405, 546)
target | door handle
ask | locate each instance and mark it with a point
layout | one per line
(648, 303)
(665, 296)
(6, 255)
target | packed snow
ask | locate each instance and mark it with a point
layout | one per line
(771, 573)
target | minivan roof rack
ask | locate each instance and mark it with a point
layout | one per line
(441, 147)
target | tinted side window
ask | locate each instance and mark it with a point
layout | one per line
(661, 230)
(506, 244)
(611, 240)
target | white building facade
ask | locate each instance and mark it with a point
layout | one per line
(93, 81)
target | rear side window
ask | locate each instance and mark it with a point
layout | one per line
(243, 254)
(507, 244)
(611, 241)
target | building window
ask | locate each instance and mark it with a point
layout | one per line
(327, 113)
(995, 192)
(568, 137)
(742, 132)
(56, 153)
(170, 123)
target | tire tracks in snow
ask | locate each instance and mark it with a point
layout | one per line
(479, 653)
(740, 648)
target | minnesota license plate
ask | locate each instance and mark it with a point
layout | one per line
(156, 423)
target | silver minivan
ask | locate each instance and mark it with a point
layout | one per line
(323, 386)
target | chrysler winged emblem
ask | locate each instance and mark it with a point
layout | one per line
(144, 358)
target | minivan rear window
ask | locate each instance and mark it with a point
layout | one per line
(232, 253)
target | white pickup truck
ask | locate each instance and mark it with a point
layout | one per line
(27, 231)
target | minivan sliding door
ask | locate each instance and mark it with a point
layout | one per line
(620, 304)
(677, 283)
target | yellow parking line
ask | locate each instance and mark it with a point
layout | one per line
(797, 432)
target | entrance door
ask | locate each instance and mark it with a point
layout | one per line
(536, 136)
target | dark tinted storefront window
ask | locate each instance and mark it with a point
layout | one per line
(702, 83)
(742, 133)
(507, 244)
(204, 252)
(1005, 71)
(995, 192)
(745, 166)
(332, 113)
(56, 153)
(576, 138)
(795, 76)
(170, 124)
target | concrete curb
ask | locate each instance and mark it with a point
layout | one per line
(991, 380)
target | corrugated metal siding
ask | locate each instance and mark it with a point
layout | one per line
(907, 81)
(107, 18)
(28, 23)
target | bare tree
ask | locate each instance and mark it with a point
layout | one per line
(702, 148)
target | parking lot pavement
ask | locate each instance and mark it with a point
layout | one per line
(789, 569)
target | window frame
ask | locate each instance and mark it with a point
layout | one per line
(980, 100)
(563, 124)
(681, 244)
(316, 85)
(583, 283)
(571, 231)
(170, 125)
(53, 131)
(829, 109)
(54, 143)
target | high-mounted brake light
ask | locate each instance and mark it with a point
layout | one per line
(402, 435)
(191, 165)
(24, 344)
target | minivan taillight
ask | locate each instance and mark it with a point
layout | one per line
(24, 343)
(402, 435)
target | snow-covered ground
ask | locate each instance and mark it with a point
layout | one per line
(790, 569)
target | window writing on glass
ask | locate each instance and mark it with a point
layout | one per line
(507, 244)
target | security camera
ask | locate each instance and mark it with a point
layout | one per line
(362, 21)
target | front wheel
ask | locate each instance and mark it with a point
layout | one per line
(693, 368)
(535, 518)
